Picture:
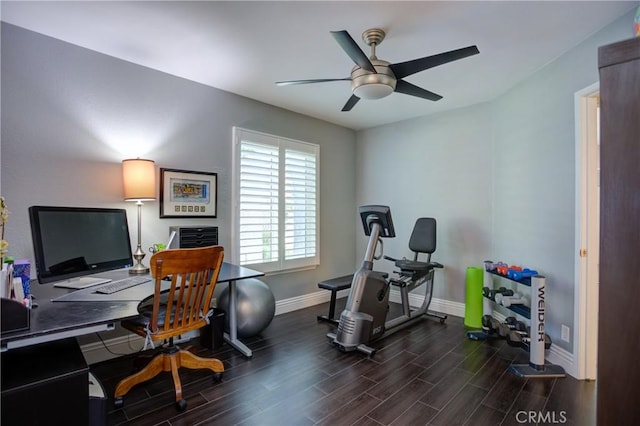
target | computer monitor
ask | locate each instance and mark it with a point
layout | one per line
(72, 242)
(380, 215)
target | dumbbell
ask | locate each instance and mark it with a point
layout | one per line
(516, 299)
(513, 269)
(489, 265)
(486, 292)
(525, 273)
(491, 294)
(501, 268)
(521, 339)
(510, 324)
(489, 324)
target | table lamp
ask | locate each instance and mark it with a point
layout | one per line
(139, 179)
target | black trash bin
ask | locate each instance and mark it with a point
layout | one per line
(212, 336)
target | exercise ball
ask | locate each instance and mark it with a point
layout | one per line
(255, 304)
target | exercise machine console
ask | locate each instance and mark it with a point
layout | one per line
(364, 318)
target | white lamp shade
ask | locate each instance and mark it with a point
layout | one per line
(139, 179)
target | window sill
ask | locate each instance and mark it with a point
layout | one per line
(285, 271)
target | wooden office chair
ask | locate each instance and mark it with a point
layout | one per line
(183, 308)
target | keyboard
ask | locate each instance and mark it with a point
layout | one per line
(119, 285)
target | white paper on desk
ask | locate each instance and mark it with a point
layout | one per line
(6, 280)
(18, 291)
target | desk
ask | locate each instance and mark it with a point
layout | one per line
(44, 364)
(63, 313)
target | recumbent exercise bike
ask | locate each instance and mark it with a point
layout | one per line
(363, 319)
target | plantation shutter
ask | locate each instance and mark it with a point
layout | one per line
(300, 205)
(276, 184)
(258, 203)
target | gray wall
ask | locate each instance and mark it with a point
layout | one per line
(534, 199)
(499, 177)
(437, 166)
(71, 115)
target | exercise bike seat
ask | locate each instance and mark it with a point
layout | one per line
(413, 265)
(422, 240)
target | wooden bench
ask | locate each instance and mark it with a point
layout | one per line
(334, 285)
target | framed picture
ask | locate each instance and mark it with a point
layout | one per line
(188, 194)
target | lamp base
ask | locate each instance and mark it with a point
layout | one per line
(138, 269)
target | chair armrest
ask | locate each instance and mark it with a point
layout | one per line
(437, 265)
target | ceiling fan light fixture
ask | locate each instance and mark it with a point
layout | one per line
(373, 91)
(368, 85)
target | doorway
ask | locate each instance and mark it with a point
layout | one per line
(585, 344)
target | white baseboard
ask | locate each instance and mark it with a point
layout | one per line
(123, 345)
(306, 300)
(96, 351)
(555, 354)
(448, 307)
(558, 356)
(300, 302)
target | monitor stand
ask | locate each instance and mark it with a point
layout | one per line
(81, 282)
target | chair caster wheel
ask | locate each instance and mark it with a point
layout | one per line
(442, 320)
(181, 405)
(217, 377)
(118, 402)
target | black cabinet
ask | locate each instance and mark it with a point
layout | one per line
(194, 236)
(618, 315)
(45, 384)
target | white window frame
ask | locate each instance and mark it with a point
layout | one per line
(282, 264)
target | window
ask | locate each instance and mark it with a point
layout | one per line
(276, 202)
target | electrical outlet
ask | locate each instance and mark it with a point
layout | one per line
(565, 333)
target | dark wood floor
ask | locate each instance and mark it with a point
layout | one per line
(427, 374)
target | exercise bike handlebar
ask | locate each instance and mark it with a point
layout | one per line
(374, 238)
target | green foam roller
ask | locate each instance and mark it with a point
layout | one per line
(473, 297)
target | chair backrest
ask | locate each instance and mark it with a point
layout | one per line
(423, 237)
(194, 274)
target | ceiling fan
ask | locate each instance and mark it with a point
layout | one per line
(373, 78)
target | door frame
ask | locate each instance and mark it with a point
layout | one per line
(585, 336)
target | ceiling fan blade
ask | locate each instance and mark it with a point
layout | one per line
(413, 90)
(404, 69)
(353, 50)
(350, 103)
(320, 80)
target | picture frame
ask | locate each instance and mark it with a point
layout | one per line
(188, 194)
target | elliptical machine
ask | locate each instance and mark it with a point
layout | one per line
(363, 319)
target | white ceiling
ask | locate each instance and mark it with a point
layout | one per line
(244, 47)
